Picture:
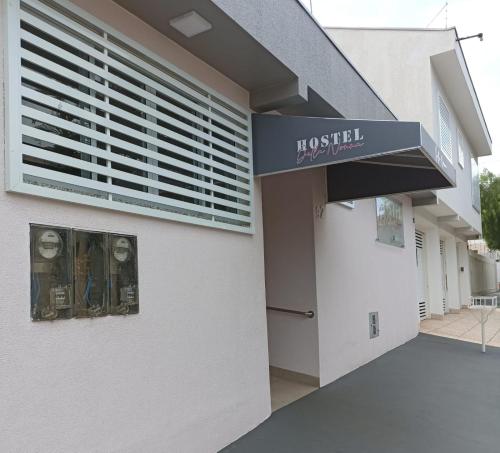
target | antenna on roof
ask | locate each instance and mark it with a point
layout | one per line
(311, 6)
(445, 9)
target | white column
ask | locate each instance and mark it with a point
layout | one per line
(452, 274)
(434, 272)
(463, 273)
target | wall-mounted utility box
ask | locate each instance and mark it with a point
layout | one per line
(123, 275)
(82, 273)
(373, 324)
(90, 251)
(51, 273)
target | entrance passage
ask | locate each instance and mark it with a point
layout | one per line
(292, 322)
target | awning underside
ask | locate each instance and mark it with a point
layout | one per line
(405, 172)
(363, 158)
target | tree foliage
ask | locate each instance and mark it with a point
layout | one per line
(490, 208)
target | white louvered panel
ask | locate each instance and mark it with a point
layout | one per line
(419, 239)
(116, 47)
(422, 309)
(423, 305)
(106, 122)
(445, 130)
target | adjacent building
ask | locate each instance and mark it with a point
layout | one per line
(422, 75)
(191, 201)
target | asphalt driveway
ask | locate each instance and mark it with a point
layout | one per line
(432, 394)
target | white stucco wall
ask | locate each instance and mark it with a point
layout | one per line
(290, 270)
(189, 373)
(356, 275)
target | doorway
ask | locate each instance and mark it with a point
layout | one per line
(292, 323)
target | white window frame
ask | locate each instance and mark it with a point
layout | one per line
(460, 147)
(448, 152)
(13, 129)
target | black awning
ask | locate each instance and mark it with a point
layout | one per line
(364, 158)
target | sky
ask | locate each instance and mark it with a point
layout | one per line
(469, 16)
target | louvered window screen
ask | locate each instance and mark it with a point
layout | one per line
(445, 130)
(96, 119)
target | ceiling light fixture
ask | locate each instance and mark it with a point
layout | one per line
(190, 24)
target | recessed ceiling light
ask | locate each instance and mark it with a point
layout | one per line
(190, 24)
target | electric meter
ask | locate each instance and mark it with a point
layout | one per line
(51, 273)
(122, 249)
(49, 244)
(124, 297)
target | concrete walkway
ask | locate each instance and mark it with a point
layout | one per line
(431, 395)
(465, 326)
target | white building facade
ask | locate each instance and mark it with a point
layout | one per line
(145, 256)
(422, 74)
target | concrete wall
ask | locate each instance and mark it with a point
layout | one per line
(483, 274)
(189, 373)
(356, 275)
(290, 270)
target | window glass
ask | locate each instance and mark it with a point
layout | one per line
(390, 226)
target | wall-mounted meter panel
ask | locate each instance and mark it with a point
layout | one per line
(51, 273)
(124, 294)
(82, 273)
(90, 269)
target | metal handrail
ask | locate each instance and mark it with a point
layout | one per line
(308, 314)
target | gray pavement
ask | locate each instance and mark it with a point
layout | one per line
(431, 395)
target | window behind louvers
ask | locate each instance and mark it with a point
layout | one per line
(96, 119)
(445, 130)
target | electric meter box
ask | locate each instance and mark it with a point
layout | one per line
(82, 274)
(124, 295)
(51, 273)
(90, 257)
